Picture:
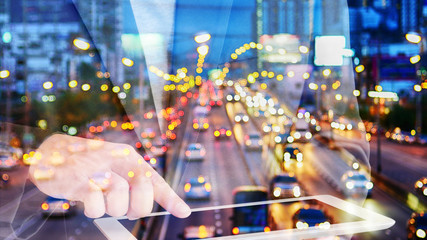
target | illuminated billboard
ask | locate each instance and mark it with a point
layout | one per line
(280, 48)
(330, 51)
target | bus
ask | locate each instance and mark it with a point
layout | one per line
(252, 218)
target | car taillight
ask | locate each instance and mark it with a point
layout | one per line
(208, 187)
(202, 152)
(151, 135)
(228, 133)
(146, 157)
(164, 149)
(65, 206)
(267, 229)
(235, 230)
(138, 145)
(216, 133)
(187, 187)
(219, 103)
(187, 153)
(211, 103)
(45, 206)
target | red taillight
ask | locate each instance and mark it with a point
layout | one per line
(92, 129)
(187, 153)
(164, 148)
(222, 131)
(267, 229)
(138, 144)
(235, 230)
(99, 129)
(146, 157)
(219, 103)
(151, 135)
(65, 206)
(45, 206)
(211, 103)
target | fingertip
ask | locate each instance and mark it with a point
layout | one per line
(182, 210)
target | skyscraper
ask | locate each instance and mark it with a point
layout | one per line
(103, 20)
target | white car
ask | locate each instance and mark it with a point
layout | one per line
(195, 152)
(253, 141)
(241, 118)
(356, 183)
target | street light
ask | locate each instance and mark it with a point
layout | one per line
(202, 38)
(416, 38)
(81, 44)
(203, 50)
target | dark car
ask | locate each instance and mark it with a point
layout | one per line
(284, 186)
(292, 152)
(311, 217)
(421, 186)
(222, 133)
(417, 226)
(57, 207)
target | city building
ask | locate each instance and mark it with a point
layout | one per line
(104, 22)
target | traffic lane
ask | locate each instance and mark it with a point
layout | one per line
(223, 166)
(253, 157)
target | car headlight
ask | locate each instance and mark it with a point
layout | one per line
(356, 165)
(297, 135)
(248, 142)
(301, 225)
(349, 185)
(277, 191)
(277, 139)
(299, 157)
(290, 139)
(237, 118)
(349, 126)
(245, 118)
(419, 184)
(421, 233)
(297, 191)
(308, 135)
(260, 142)
(425, 191)
(287, 156)
(369, 185)
(325, 225)
(229, 98)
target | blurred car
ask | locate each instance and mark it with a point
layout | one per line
(301, 135)
(253, 141)
(215, 102)
(201, 124)
(292, 152)
(417, 226)
(241, 118)
(195, 152)
(356, 183)
(284, 186)
(232, 97)
(311, 216)
(222, 133)
(158, 148)
(281, 138)
(421, 186)
(198, 188)
(7, 160)
(57, 207)
(148, 133)
(198, 232)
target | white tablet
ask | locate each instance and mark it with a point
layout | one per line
(350, 220)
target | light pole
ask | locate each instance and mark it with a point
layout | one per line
(416, 38)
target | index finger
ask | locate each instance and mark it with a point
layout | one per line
(167, 198)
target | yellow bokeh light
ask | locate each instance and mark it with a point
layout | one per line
(127, 62)
(131, 174)
(104, 87)
(199, 70)
(291, 74)
(264, 73)
(86, 87)
(203, 50)
(233, 56)
(417, 88)
(116, 89)
(279, 77)
(4, 74)
(99, 74)
(252, 45)
(126, 86)
(338, 97)
(378, 88)
(327, 72)
(415, 59)
(263, 86)
(259, 46)
(270, 75)
(72, 84)
(47, 85)
(356, 93)
(81, 44)
(360, 68)
(306, 75)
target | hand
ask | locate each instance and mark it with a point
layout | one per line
(107, 177)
